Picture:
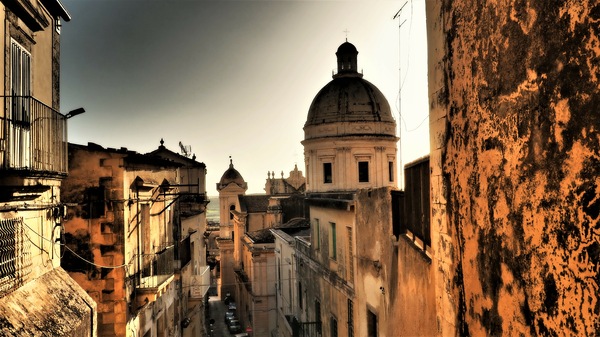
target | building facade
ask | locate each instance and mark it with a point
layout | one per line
(138, 219)
(191, 270)
(290, 299)
(36, 295)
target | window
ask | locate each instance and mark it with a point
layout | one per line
(371, 324)
(333, 327)
(350, 318)
(316, 235)
(144, 227)
(300, 294)
(290, 299)
(231, 208)
(391, 170)
(15, 256)
(19, 114)
(350, 256)
(279, 274)
(94, 202)
(332, 241)
(318, 315)
(363, 171)
(185, 247)
(327, 173)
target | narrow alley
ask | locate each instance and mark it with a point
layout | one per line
(217, 309)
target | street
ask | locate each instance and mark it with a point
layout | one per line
(216, 309)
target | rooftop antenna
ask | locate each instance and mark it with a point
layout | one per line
(401, 22)
(185, 150)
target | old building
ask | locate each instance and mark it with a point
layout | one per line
(515, 158)
(290, 299)
(293, 184)
(36, 295)
(138, 219)
(191, 269)
(255, 283)
(355, 270)
(246, 245)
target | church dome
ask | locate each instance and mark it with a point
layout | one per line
(348, 99)
(231, 176)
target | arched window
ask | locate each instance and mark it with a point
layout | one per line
(231, 208)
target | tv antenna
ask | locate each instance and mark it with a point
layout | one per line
(400, 82)
(185, 150)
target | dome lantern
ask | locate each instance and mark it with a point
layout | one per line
(347, 56)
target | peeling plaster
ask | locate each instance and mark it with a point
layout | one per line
(520, 162)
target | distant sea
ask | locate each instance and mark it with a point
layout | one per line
(212, 211)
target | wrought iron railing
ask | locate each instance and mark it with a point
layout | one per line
(157, 268)
(33, 136)
(305, 329)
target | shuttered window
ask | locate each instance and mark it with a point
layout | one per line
(19, 114)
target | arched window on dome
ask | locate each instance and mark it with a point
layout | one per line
(231, 208)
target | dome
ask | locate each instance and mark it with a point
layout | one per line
(349, 100)
(231, 176)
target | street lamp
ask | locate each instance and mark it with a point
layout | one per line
(74, 113)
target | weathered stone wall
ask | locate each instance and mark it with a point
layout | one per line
(514, 97)
(97, 239)
(394, 276)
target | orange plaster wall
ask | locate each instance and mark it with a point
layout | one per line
(514, 126)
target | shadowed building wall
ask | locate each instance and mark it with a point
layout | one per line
(515, 164)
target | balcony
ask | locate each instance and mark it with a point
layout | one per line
(304, 329)
(33, 136)
(199, 283)
(156, 274)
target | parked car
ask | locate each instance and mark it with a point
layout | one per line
(231, 306)
(234, 326)
(229, 315)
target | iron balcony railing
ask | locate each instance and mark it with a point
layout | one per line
(305, 329)
(157, 268)
(33, 136)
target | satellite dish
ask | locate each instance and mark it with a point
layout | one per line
(185, 150)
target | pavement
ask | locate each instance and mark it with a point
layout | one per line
(216, 311)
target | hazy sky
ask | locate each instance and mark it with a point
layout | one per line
(232, 78)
